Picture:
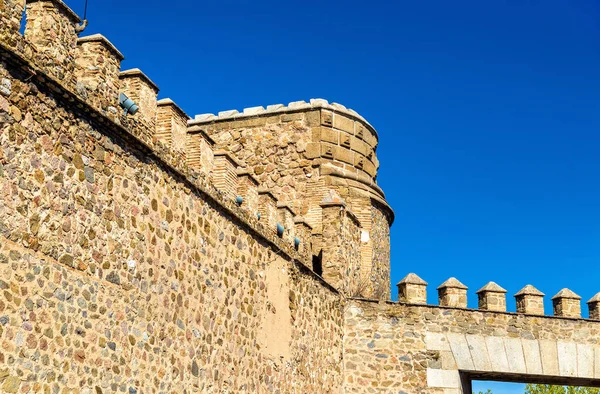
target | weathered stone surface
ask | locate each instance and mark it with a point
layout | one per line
(567, 358)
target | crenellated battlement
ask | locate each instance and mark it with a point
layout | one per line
(295, 106)
(88, 68)
(177, 253)
(492, 297)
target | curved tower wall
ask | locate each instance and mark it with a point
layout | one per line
(308, 154)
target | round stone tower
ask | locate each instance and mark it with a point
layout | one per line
(308, 155)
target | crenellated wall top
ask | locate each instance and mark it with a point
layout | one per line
(295, 106)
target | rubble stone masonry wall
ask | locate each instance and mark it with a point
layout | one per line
(121, 273)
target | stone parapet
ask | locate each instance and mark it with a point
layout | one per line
(444, 348)
(341, 249)
(594, 307)
(492, 297)
(224, 174)
(452, 293)
(50, 28)
(247, 189)
(267, 207)
(97, 65)
(530, 301)
(302, 152)
(567, 304)
(285, 217)
(293, 107)
(412, 290)
(138, 87)
(171, 127)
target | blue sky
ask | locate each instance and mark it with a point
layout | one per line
(488, 114)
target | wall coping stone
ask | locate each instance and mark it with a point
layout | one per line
(199, 130)
(167, 101)
(452, 283)
(566, 293)
(60, 4)
(413, 279)
(295, 106)
(491, 287)
(136, 72)
(529, 290)
(286, 205)
(244, 171)
(103, 40)
(595, 299)
(263, 190)
(229, 156)
(302, 220)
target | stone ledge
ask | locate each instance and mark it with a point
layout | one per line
(136, 72)
(101, 39)
(167, 101)
(65, 8)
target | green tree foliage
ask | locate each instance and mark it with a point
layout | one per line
(550, 389)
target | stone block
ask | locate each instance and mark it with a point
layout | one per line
(460, 350)
(585, 361)
(549, 354)
(436, 341)
(359, 146)
(327, 118)
(597, 362)
(341, 122)
(342, 154)
(567, 358)
(313, 118)
(442, 378)
(514, 354)
(479, 352)
(313, 150)
(533, 361)
(447, 359)
(496, 349)
(329, 135)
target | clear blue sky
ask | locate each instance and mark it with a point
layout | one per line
(488, 114)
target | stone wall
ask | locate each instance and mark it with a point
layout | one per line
(341, 253)
(123, 270)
